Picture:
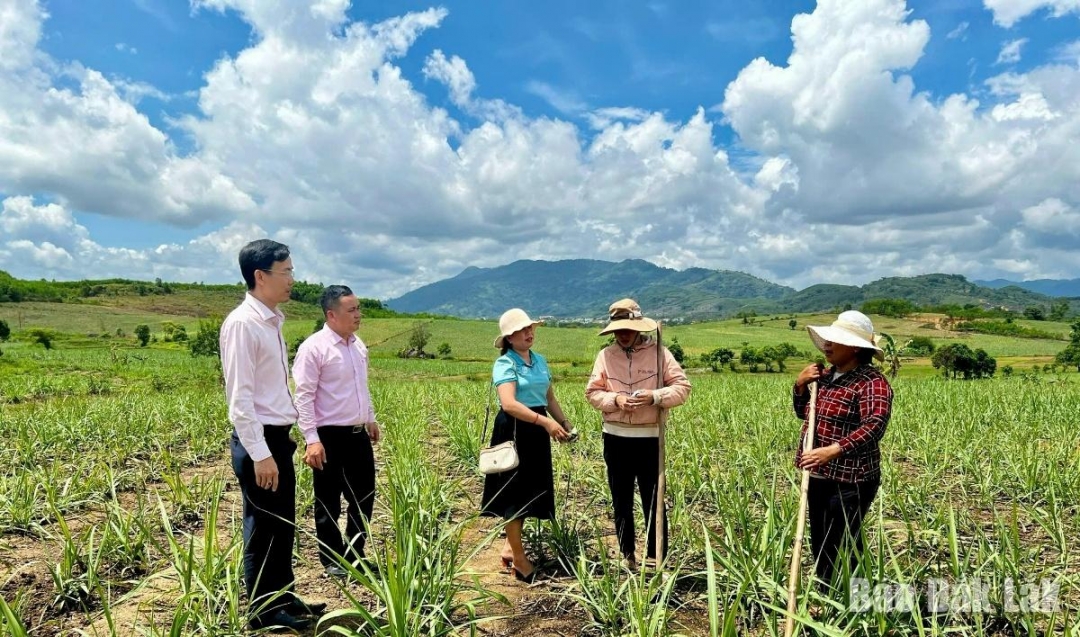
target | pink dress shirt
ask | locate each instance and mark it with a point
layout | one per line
(255, 362)
(331, 383)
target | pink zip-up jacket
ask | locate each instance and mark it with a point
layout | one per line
(617, 371)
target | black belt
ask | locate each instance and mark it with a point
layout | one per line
(356, 429)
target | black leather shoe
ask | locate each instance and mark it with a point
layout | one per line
(299, 607)
(281, 618)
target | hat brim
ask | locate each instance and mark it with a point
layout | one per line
(638, 325)
(822, 334)
(500, 338)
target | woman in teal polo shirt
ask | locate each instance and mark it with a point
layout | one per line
(530, 413)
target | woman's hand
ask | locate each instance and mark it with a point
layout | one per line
(811, 373)
(554, 429)
(820, 457)
(640, 398)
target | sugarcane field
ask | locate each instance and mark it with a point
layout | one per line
(669, 318)
(120, 512)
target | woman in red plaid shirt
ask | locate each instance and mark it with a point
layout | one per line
(854, 402)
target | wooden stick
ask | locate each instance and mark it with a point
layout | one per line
(661, 478)
(800, 524)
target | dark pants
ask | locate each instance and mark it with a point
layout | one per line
(629, 460)
(836, 513)
(269, 522)
(349, 471)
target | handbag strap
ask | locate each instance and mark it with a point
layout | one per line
(487, 416)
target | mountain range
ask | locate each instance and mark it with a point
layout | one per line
(1049, 287)
(583, 288)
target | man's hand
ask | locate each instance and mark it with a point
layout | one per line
(266, 473)
(374, 432)
(821, 456)
(315, 455)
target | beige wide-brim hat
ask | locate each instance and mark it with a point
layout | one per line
(512, 321)
(626, 315)
(850, 328)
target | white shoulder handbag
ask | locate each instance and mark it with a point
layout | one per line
(501, 457)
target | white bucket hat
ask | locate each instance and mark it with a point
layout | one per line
(512, 321)
(626, 315)
(850, 328)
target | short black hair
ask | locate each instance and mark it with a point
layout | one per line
(331, 296)
(865, 356)
(260, 254)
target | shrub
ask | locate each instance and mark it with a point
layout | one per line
(919, 346)
(142, 332)
(676, 350)
(206, 341)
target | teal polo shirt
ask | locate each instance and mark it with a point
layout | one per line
(532, 380)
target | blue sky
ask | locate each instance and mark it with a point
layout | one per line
(903, 129)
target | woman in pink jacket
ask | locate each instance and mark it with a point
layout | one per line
(629, 393)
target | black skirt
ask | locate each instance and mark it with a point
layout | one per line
(529, 490)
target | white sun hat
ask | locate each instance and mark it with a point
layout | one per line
(511, 321)
(850, 328)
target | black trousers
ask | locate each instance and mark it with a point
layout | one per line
(836, 511)
(349, 471)
(269, 522)
(629, 460)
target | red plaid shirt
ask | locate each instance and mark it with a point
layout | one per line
(853, 411)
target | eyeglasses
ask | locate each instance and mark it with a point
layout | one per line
(291, 273)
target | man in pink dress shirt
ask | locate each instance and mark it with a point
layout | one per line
(254, 361)
(338, 423)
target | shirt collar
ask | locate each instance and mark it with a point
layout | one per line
(266, 313)
(338, 338)
(518, 357)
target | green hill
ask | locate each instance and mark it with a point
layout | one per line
(583, 288)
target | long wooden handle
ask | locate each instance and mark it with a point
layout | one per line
(661, 478)
(800, 524)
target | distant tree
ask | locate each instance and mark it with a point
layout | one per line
(1034, 313)
(1071, 354)
(676, 350)
(896, 308)
(1059, 310)
(207, 340)
(42, 337)
(142, 332)
(716, 359)
(443, 350)
(306, 292)
(919, 346)
(5, 331)
(1007, 371)
(419, 337)
(792, 323)
(173, 332)
(751, 357)
(957, 359)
